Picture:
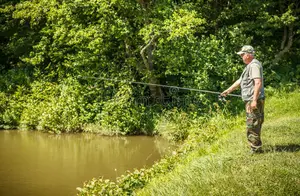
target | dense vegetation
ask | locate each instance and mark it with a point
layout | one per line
(55, 52)
(65, 67)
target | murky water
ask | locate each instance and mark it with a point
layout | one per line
(34, 163)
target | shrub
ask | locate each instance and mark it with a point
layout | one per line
(54, 107)
(174, 125)
(122, 115)
(3, 106)
(11, 107)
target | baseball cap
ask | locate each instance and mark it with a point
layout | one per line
(246, 49)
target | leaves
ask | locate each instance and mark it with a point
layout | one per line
(190, 44)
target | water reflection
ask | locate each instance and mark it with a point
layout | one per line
(34, 163)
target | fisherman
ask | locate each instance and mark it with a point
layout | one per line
(252, 90)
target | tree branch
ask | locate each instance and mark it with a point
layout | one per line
(143, 52)
(283, 38)
(156, 91)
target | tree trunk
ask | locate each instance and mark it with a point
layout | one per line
(156, 91)
(147, 55)
(284, 49)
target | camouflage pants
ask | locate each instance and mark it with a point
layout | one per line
(254, 121)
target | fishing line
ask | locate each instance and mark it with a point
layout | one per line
(160, 85)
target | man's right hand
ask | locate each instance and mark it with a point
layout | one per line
(225, 93)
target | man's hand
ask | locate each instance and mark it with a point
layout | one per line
(231, 88)
(225, 93)
(253, 105)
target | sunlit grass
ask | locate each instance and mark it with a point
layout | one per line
(231, 170)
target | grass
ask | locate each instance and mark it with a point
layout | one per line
(229, 168)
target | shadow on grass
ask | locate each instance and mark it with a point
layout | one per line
(282, 148)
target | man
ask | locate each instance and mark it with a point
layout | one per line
(252, 89)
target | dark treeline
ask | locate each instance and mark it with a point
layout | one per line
(53, 51)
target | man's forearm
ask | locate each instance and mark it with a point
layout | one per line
(257, 87)
(231, 88)
(234, 86)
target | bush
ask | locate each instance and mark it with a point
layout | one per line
(3, 106)
(53, 107)
(11, 107)
(174, 125)
(122, 115)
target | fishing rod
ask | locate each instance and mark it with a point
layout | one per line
(162, 85)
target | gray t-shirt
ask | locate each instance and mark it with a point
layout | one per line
(251, 71)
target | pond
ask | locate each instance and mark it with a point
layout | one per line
(35, 163)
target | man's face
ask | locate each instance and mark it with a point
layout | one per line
(245, 57)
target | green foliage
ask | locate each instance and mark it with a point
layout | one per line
(121, 114)
(51, 107)
(12, 79)
(131, 181)
(279, 100)
(3, 106)
(45, 45)
(11, 108)
(187, 44)
(174, 125)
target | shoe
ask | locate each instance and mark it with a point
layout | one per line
(256, 150)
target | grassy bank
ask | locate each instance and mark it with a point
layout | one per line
(215, 159)
(229, 168)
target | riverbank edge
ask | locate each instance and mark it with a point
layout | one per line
(230, 169)
(198, 144)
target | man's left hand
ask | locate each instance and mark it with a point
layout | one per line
(253, 105)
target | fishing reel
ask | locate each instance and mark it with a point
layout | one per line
(222, 98)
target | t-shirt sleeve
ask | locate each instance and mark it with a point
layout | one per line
(255, 71)
(240, 79)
